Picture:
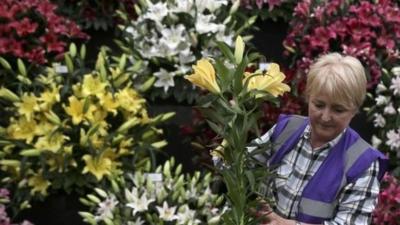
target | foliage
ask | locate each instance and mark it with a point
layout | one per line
(270, 9)
(387, 211)
(97, 14)
(31, 30)
(385, 114)
(232, 110)
(72, 128)
(168, 36)
(4, 200)
(163, 196)
(367, 30)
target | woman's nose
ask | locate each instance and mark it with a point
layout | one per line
(326, 115)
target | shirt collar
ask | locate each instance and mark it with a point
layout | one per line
(330, 144)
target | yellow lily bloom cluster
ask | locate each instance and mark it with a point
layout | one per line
(90, 128)
(271, 82)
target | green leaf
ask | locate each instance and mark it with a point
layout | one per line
(147, 84)
(122, 62)
(224, 75)
(217, 129)
(225, 49)
(238, 76)
(251, 179)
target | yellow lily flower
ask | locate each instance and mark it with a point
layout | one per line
(270, 82)
(92, 85)
(49, 97)
(130, 100)
(39, 184)
(204, 76)
(108, 102)
(98, 166)
(22, 129)
(75, 110)
(27, 105)
(51, 142)
(43, 127)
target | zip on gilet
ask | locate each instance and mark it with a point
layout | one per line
(346, 161)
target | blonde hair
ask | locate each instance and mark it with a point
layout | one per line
(340, 77)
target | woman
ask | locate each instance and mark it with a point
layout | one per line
(327, 174)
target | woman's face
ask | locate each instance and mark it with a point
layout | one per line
(328, 118)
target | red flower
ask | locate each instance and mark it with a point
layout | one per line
(33, 37)
(24, 27)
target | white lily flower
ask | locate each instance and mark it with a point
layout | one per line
(183, 6)
(211, 5)
(186, 56)
(138, 204)
(396, 70)
(204, 25)
(165, 79)
(381, 100)
(380, 88)
(156, 12)
(393, 139)
(376, 141)
(173, 38)
(105, 209)
(395, 86)
(167, 213)
(389, 109)
(221, 36)
(187, 216)
(379, 120)
(138, 221)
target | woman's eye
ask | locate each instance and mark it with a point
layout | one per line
(319, 106)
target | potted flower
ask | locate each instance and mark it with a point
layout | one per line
(33, 31)
(232, 108)
(161, 196)
(169, 36)
(385, 115)
(367, 30)
(72, 128)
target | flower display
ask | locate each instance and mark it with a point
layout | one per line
(77, 129)
(31, 30)
(169, 36)
(387, 211)
(367, 30)
(385, 116)
(233, 113)
(160, 196)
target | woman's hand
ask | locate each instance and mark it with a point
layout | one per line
(275, 219)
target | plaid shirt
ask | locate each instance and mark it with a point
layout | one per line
(356, 200)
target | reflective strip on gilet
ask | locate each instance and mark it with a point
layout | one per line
(345, 163)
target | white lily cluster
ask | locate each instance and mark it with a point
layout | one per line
(176, 199)
(386, 112)
(171, 35)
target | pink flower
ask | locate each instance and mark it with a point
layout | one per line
(387, 211)
(33, 37)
